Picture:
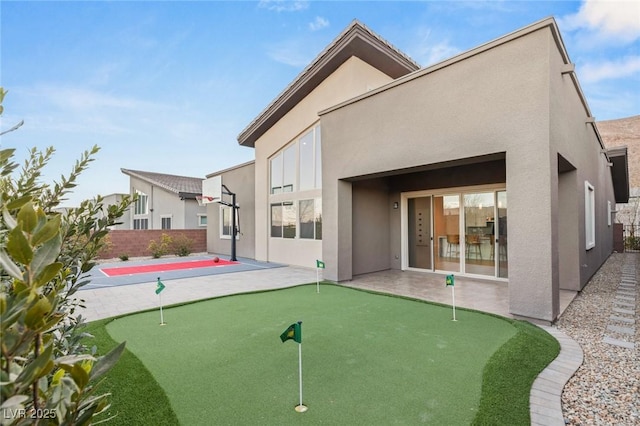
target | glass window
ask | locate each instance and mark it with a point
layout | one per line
(318, 218)
(589, 215)
(310, 213)
(276, 220)
(140, 223)
(202, 220)
(307, 216)
(318, 158)
(225, 221)
(306, 162)
(289, 220)
(276, 174)
(289, 169)
(166, 222)
(141, 203)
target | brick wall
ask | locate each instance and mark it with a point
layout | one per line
(135, 243)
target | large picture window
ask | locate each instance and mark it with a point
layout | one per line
(298, 167)
(589, 215)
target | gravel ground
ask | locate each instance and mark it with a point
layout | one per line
(606, 388)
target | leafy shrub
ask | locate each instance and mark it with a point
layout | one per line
(124, 257)
(182, 245)
(45, 257)
(160, 248)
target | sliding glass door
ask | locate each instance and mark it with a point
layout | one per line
(479, 233)
(464, 232)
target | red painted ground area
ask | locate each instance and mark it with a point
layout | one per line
(159, 267)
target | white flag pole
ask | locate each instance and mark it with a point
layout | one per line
(300, 369)
(161, 317)
(453, 296)
(317, 279)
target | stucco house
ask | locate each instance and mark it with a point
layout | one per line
(165, 201)
(487, 165)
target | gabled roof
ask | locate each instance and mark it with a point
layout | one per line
(356, 40)
(181, 185)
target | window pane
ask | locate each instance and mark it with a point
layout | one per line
(318, 158)
(318, 218)
(226, 221)
(166, 223)
(141, 203)
(288, 220)
(202, 220)
(306, 162)
(276, 174)
(276, 220)
(307, 225)
(289, 169)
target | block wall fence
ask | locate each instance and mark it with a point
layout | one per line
(135, 243)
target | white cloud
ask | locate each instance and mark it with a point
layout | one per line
(318, 24)
(617, 19)
(610, 70)
(427, 52)
(284, 5)
(292, 52)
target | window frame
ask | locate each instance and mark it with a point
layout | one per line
(223, 235)
(589, 215)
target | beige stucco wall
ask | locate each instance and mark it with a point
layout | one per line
(240, 180)
(494, 102)
(352, 78)
(575, 139)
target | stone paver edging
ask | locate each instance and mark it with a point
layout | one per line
(545, 402)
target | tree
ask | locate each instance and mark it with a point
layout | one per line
(48, 375)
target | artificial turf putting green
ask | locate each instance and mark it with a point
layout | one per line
(367, 358)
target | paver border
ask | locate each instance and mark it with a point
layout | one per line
(545, 399)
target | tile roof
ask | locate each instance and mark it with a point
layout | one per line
(171, 183)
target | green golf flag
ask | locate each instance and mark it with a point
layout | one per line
(293, 332)
(159, 287)
(319, 264)
(449, 280)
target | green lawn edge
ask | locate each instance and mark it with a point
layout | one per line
(507, 377)
(136, 398)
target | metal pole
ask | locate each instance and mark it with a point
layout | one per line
(300, 370)
(234, 233)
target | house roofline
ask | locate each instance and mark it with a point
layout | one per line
(356, 40)
(137, 174)
(238, 166)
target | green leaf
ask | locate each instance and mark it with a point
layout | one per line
(19, 202)
(106, 362)
(18, 247)
(79, 375)
(34, 318)
(46, 254)
(48, 273)
(46, 232)
(27, 217)
(37, 368)
(8, 265)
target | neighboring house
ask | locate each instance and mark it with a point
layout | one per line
(370, 163)
(165, 201)
(126, 217)
(625, 133)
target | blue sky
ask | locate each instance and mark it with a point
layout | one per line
(167, 86)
